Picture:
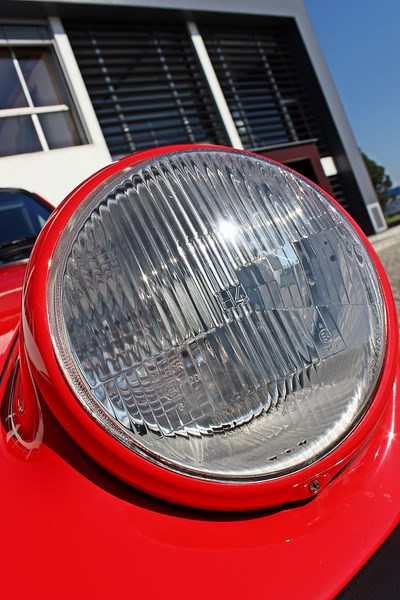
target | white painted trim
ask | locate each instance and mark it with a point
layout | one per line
(328, 166)
(77, 86)
(376, 206)
(214, 85)
(32, 110)
(40, 132)
(252, 7)
(28, 42)
(35, 119)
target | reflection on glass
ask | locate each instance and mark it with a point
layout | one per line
(221, 314)
(11, 93)
(59, 130)
(38, 73)
(227, 230)
(21, 215)
(18, 136)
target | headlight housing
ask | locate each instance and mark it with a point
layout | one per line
(217, 320)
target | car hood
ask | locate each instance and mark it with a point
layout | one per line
(11, 280)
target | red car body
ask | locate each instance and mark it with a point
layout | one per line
(70, 528)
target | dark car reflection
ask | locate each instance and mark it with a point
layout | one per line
(22, 216)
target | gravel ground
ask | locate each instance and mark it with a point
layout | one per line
(387, 245)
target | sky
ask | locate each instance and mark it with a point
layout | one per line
(360, 40)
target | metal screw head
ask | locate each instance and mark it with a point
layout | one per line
(314, 486)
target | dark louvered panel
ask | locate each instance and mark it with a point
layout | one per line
(261, 86)
(338, 193)
(146, 86)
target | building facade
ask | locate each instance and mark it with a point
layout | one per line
(85, 83)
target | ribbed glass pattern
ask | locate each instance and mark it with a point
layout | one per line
(216, 313)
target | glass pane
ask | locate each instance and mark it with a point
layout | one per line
(59, 130)
(18, 136)
(39, 75)
(11, 92)
(21, 215)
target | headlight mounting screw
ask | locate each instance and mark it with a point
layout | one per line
(314, 486)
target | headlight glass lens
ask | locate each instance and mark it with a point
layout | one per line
(217, 314)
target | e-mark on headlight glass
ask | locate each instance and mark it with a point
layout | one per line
(217, 314)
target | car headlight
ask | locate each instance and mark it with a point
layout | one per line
(217, 319)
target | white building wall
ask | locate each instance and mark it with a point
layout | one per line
(52, 174)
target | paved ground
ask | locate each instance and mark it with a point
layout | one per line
(387, 245)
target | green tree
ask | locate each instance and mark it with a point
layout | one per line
(380, 179)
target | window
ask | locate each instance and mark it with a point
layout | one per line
(36, 111)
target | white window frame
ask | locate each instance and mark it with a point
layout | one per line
(32, 110)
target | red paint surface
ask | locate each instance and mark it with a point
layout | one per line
(11, 280)
(71, 529)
